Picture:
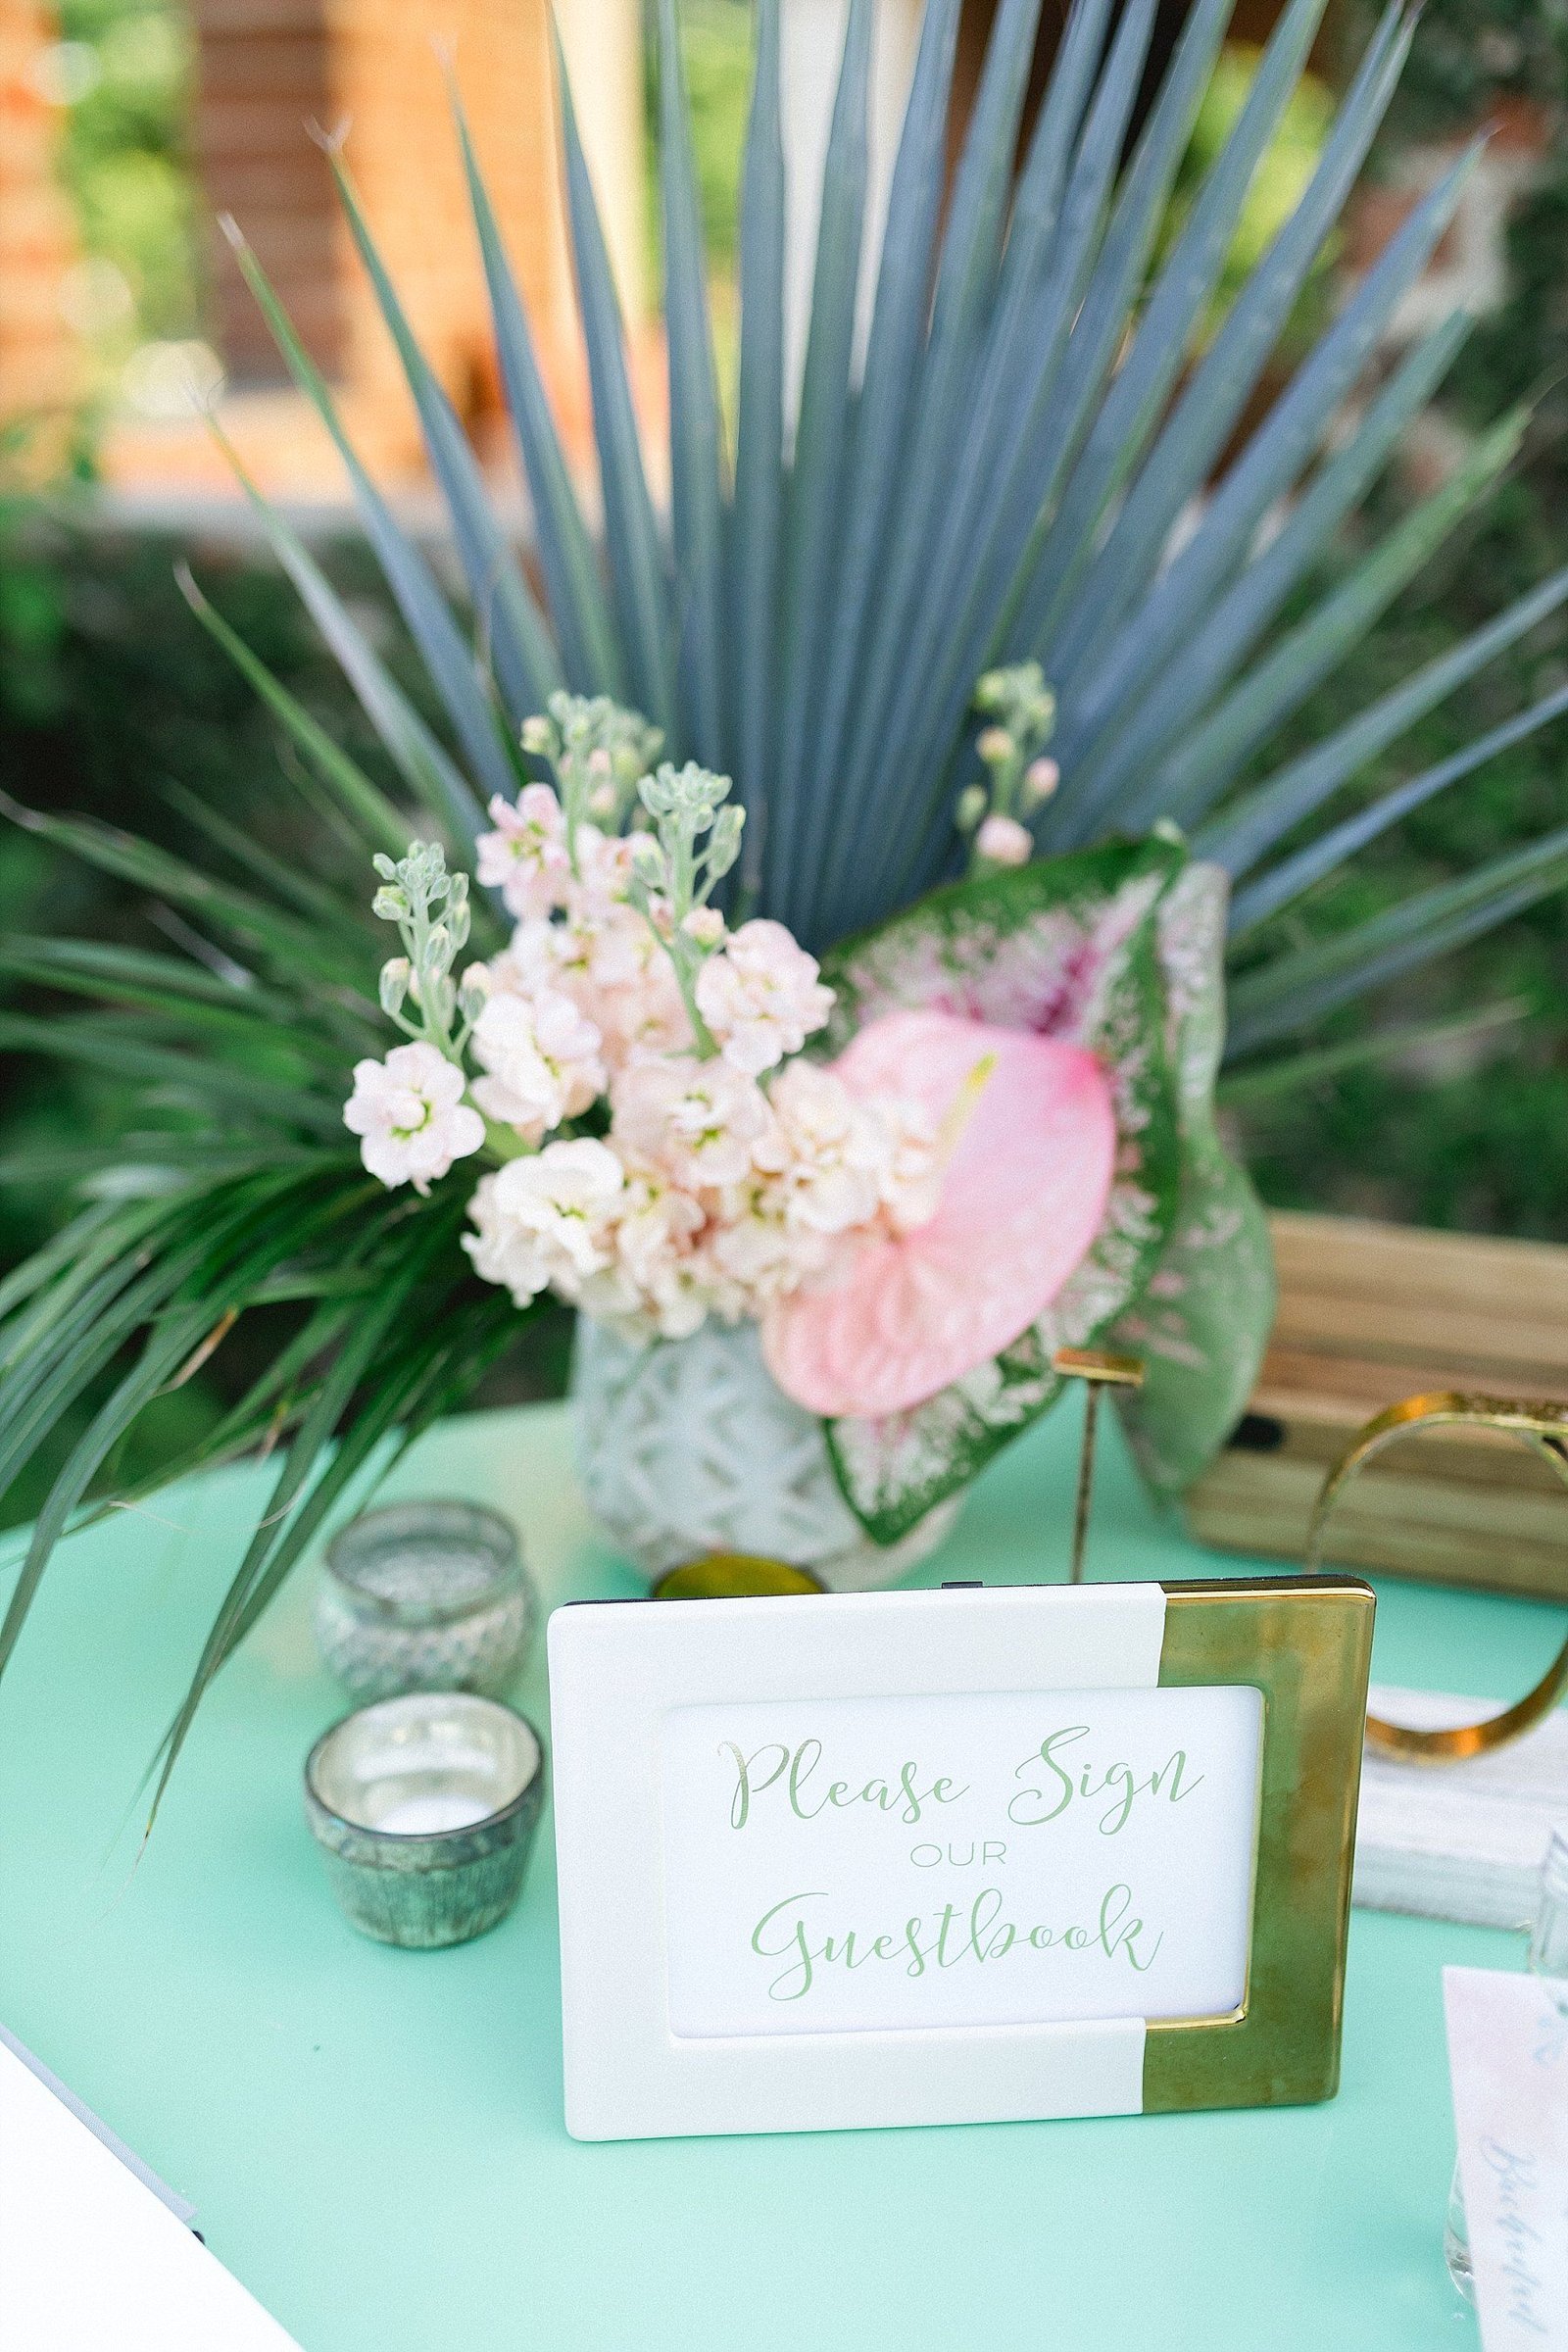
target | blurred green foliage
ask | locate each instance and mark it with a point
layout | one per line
(126, 70)
(715, 46)
(1278, 185)
(1468, 55)
(1472, 1134)
(112, 698)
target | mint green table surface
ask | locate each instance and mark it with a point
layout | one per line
(374, 2139)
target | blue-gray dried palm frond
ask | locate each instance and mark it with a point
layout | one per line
(1041, 404)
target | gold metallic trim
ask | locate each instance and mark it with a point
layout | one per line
(1541, 1427)
(1307, 1645)
(1100, 1364)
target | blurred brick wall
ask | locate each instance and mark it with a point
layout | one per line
(264, 74)
(270, 73)
(39, 359)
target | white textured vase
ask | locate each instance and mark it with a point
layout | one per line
(687, 1447)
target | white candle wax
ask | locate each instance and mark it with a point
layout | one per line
(428, 1814)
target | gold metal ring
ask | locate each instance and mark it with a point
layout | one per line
(1544, 1429)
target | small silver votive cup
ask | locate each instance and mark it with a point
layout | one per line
(425, 1596)
(424, 1808)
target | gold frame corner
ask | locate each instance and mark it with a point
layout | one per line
(1306, 1643)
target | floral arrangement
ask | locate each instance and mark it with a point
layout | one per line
(667, 1149)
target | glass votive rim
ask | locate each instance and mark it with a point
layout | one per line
(414, 1704)
(356, 1547)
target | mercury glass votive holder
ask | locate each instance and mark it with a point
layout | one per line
(426, 1595)
(424, 1808)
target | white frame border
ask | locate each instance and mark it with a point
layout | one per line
(616, 1669)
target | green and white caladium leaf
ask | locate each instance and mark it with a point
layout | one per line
(1203, 1317)
(1068, 947)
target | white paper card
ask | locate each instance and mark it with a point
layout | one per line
(958, 1858)
(1466, 1842)
(91, 2259)
(1508, 2058)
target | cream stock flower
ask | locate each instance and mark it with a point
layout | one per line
(411, 1118)
(760, 997)
(911, 1175)
(658, 1222)
(544, 1221)
(543, 1060)
(655, 1281)
(697, 1120)
(829, 1154)
(754, 1255)
(614, 969)
(526, 857)
(604, 866)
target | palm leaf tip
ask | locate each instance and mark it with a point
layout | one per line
(697, 489)
(639, 583)
(579, 612)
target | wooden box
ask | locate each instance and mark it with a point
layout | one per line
(1371, 1313)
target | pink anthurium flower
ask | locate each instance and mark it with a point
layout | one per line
(1032, 1139)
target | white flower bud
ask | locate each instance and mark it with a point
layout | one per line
(973, 801)
(602, 801)
(1002, 841)
(473, 993)
(995, 745)
(648, 860)
(395, 978)
(706, 925)
(390, 902)
(726, 846)
(384, 867)
(1039, 780)
(538, 738)
(689, 792)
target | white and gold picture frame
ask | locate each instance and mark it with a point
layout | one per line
(977, 1855)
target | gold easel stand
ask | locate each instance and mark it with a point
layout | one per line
(1099, 1368)
(1541, 1427)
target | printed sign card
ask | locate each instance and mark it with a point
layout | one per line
(1508, 2056)
(956, 1856)
(959, 1860)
